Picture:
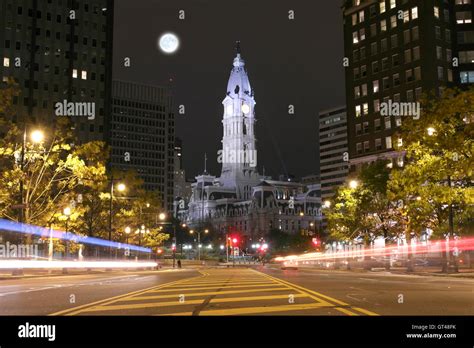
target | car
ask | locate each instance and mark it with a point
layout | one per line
(289, 264)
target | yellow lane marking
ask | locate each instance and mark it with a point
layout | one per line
(191, 286)
(233, 280)
(215, 287)
(191, 302)
(254, 310)
(365, 311)
(204, 294)
(79, 309)
(320, 295)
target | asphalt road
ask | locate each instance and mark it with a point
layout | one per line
(238, 291)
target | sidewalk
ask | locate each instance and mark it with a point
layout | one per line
(434, 271)
(28, 274)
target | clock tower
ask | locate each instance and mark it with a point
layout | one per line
(239, 153)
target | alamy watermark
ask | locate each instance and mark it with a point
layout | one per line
(13, 251)
(398, 109)
(75, 109)
(237, 157)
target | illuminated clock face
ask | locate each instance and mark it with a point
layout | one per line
(229, 110)
(245, 109)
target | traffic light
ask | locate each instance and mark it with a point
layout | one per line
(235, 240)
(316, 242)
(159, 251)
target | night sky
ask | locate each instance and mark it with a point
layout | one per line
(296, 62)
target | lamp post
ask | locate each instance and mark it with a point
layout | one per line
(127, 232)
(120, 187)
(206, 231)
(67, 213)
(162, 218)
(37, 137)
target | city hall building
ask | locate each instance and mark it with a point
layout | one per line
(241, 200)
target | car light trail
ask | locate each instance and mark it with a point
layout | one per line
(440, 246)
(43, 232)
(32, 264)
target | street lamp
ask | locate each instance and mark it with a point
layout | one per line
(431, 131)
(127, 232)
(120, 187)
(37, 136)
(353, 184)
(67, 212)
(206, 231)
(327, 204)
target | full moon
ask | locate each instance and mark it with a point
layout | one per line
(169, 43)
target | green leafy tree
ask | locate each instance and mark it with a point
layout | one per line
(435, 187)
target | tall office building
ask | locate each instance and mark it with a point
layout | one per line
(142, 137)
(182, 187)
(465, 41)
(333, 153)
(59, 51)
(397, 50)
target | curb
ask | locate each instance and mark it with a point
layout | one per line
(76, 274)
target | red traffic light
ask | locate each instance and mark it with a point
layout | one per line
(159, 251)
(316, 241)
(235, 240)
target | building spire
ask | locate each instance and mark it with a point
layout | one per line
(237, 47)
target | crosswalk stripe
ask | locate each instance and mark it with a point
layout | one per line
(254, 310)
(79, 309)
(192, 285)
(203, 294)
(320, 296)
(215, 287)
(226, 281)
(175, 303)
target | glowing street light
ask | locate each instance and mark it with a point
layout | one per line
(431, 131)
(199, 241)
(128, 230)
(162, 216)
(37, 136)
(121, 187)
(353, 184)
(327, 204)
